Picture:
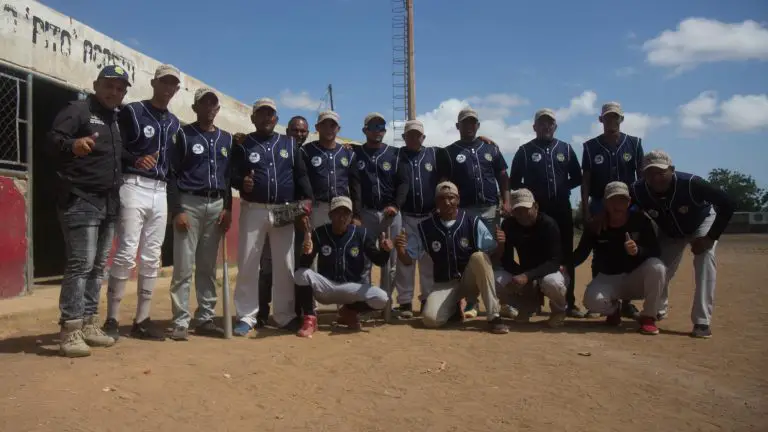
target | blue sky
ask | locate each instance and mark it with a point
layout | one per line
(699, 90)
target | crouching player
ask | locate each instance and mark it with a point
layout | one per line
(341, 249)
(626, 260)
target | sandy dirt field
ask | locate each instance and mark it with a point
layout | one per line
(402, 377)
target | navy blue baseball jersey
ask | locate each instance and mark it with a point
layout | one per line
(328, 170)
(424, 173)
(475, 168)
(548, 169)
(383, 181)
(449, 247)
(147, 131)
(607, 163)
(279, 174)
(203, 159)
(341, 258)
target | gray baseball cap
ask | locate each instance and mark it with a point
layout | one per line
(167, 70)
(341, 201)
(616, 188)
(521, 198)
(413, 125)
(371, 116)
(612, 107)
(264, 103)
(201, 92)
(468, 113)
(545, 112)
(328, 115)
(657, 159)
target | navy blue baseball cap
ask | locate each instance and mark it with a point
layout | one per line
(114, 71)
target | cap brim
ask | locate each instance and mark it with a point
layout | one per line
(127, 81)
(523, 205)
(375, 118)
(258, 107)
(618, 113)
(468, 116)
(206, 94)
(545, 115)
(168, 74)
(656, 165)
(615, 194)
(340, 206)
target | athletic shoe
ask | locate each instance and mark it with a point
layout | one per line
(614, 319)
(470, 311)
(404, 311)
(208, 328)
(497, 326)
(71, 342)
(112, 328)
(242, 328)
(662, 315)
(293, 325)
(648, 326)
(93, 335)
(348, 317)
(701, 331)
(575, 312)
(146, 330)
(180, 333)
(628, 310)
(556, 320)
(508, 311)
(261, 322)
(308, 326)
(591, 314)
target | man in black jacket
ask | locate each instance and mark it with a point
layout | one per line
(86, 146)
(626, 259)
(536, 238)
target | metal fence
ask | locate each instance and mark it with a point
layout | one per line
(12, 92)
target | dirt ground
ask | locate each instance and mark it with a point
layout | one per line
(402, 377)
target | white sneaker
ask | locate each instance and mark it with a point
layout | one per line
(508, 311)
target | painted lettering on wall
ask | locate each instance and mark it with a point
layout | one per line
(58, 40)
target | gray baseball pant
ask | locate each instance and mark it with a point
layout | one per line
(704, 270)
(376, 223)
(405, 276)
(196, 250)
(554, 286)
(646, 282)
(329, 292)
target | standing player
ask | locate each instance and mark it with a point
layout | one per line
(612, 156)
(688, 211)
(149, 131)
(341, 249)
(85, 145)
(549, 168)
(626, 259)
(269, 172)
(201, 202)
(385, 184)
(479, 170)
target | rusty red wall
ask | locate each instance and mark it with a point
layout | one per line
(13, 238)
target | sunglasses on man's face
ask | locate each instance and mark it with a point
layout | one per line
(376, 127)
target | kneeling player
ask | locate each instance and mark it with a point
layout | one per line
(536, 238)
(341, 249)
(626, 260)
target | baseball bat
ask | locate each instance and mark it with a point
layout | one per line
(225, 290)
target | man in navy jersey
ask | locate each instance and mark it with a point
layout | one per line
(688, 211)
(269, 171)
(612, 156)
(480, 172)
(341, 249)
(626, 259)
(383, 190)
(549, 168)
(149, 133)
(201, 201)
(424, 173)
(459, 245)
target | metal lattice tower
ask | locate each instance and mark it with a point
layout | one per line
(399, 69)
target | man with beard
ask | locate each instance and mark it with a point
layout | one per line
(549, 168)
(149, 132)
(86, 146)
(201, 200)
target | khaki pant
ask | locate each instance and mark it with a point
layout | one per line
(477, 279)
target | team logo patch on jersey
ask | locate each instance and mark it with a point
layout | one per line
(344, 161)
(284, 154)
(464, 242)
(354, 251)
(460, 158)
(428, 166)
(653, 213)
(315, 161)
(361, 165)
(224, 151)
(254, 157)
(386, 166)
(326, 250)
(536, 157)
(560, 157)
(683, 210)
(149, 131)
(436, 246)
(627, 157)
(96, 120)
(599, 159)
(489, 157)
(197, 149)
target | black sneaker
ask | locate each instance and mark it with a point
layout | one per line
(180, 333)
(261, 322)
(145, 330)
(293, 326)
(701, 331)
(208, 328)
(497, 326)
(628, 310)
(404, 311)
(111, 328)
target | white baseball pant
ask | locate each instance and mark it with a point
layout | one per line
(376, 223)
(329, 292)
(141, 227)
(704, 271)
(255, 225)
(405, 276)
(554, 287)
(645, 282)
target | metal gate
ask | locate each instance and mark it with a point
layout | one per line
(13, 154)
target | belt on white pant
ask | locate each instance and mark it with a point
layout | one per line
(267, 206)
(144, 182)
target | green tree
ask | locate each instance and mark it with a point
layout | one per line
(742, 188)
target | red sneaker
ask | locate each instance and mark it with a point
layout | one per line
(308, 326)
(614, 319)
(648, 326)
(349, 318)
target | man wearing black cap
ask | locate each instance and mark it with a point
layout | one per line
(549, 168)
(201, 201)
(149, 131)
(86, 147)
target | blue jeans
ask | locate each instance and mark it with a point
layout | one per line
(88, 234)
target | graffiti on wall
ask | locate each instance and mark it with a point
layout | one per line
(58, 40)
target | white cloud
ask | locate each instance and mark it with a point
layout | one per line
(740, 113)
(625, 71)
(701, 40)
(580, 105)
(635, 124)
(300, 101)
